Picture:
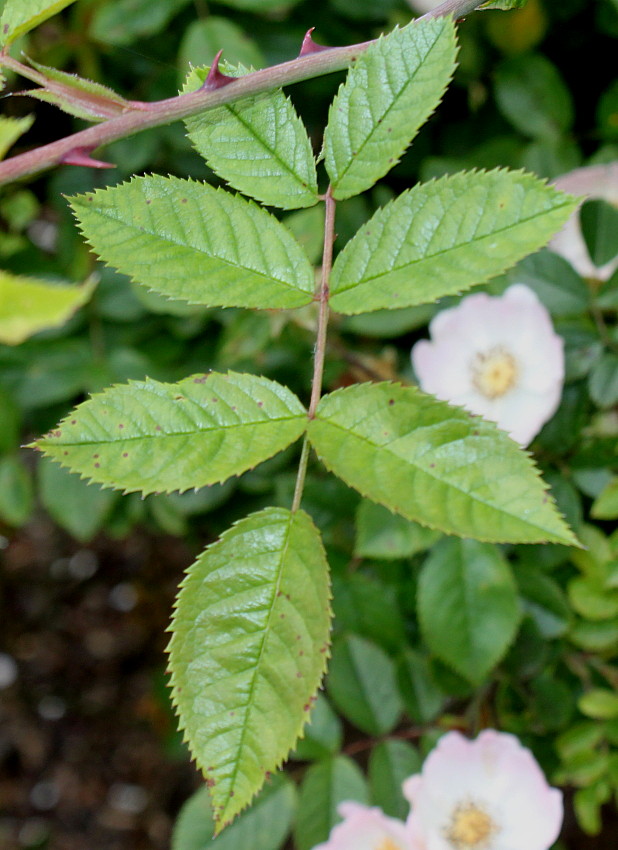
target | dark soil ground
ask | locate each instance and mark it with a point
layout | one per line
(89, 755)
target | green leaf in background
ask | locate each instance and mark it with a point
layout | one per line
(78, 507)
(467, 606)
(390, 763)
(324, 787)
(532, 95)
(445, 236)
(264, 826)
(123, 21)
(248, 650)
(187, 240)
(599, 703)
(388, 95)
(323, 734)
(603, 380)
(258, 6)
(204, 38)
(152, 437)
(369, 608)
(16, 493)
(258, 145)
(504, 5)
(10, 421)
(422, 695)
(599, 224)
(555, 281)
(362, 685)
(382, 534)
(11, 129)
(28, 306)
(605, 506)
(20, 16)
(544, 601)
(590, 597)
(405, 450)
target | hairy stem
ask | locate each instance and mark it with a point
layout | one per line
(146, 115)
(320, 343)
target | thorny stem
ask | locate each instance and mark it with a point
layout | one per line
(320, 342)
(146, 115)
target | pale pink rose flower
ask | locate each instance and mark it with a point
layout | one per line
(498, 357)
(592, 181)
(366, 828)
(486, 794)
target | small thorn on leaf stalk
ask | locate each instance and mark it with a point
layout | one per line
(216, 78)
(81, 156)
(309, 46)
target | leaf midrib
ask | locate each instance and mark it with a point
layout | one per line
(476, 498)
(456, 247)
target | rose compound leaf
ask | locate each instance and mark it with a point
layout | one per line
(20, 16)
(187, 240)
(434, 464)
(324, 786)
(467, 606)
(388, 95)
(28, 305)
(153, 437)
(265, 825)
(362, 685)
(258, 145)
(248, 650)
(445, 236)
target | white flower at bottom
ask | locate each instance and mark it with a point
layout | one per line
(498, 357)
(368, 829)
(487, 794)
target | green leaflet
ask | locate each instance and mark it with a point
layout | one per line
(152, 437)
(11, 129)
(389, 93)
(445, 236)
(259, 145)
(248, 650)
(434, 464)
(467, 606)
(19, 16)
(504, 5)
(187, 240)
(28, 306)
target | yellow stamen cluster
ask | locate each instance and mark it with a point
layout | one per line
(494, 372)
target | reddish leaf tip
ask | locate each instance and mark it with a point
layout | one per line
(216, 79)
(81, 156)
(309, 46)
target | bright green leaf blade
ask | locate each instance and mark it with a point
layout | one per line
(187, 240)
(362, 685)
(390, 763)
(600, 703)
(445, 236)
(605, 506)
(388, 95)
(248, 650)
(28, 306)
(259, 146)
(503, 5)
(324, 787)
(265, 825)
(20, 16)
(11, 129)
(467, 606)
(434, 464)
(152, 437)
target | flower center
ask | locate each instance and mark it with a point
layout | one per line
(494, 372)
(387, 844)
(470, 828)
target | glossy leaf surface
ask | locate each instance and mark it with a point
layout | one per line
(434, 464)
(445, 236)
(187, 240)
(152, 437)
(248, 650)
(388, 95)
